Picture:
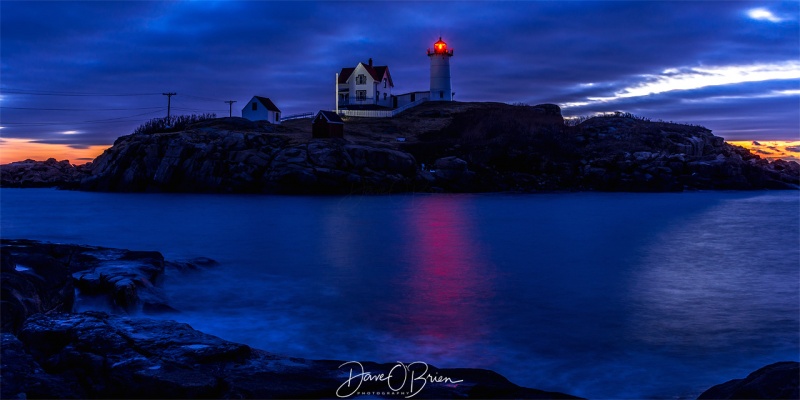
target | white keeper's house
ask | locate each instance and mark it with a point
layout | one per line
(366, 86)
(261, 109)
(366, 90)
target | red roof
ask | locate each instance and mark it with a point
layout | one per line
(267, 103)
(345, 74)
(330, 116)
(377, 73)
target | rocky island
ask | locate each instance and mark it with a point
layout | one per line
(434, 147)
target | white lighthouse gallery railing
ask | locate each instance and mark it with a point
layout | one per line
(381, 113)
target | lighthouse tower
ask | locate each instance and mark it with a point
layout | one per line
(441, 89)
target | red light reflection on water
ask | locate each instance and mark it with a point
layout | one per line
(449, 279)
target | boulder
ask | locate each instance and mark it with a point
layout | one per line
(94, 354)
(23, 377)
(42, 277)
(775, 381)
(33, 281)
(49, 173)
(452, 173)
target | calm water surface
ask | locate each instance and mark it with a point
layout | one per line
(597, 295)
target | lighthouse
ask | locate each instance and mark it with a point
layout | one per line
(441, 90)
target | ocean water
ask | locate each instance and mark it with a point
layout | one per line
(593, 294)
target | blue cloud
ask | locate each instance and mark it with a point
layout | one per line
(532, 52)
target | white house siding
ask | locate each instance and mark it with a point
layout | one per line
(260, 113)
(348, 92)
(408, 98)
(368, 86)
(385, 96)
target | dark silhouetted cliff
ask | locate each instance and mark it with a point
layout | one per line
(452, 147)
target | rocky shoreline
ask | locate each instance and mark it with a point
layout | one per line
(49, 351)
(455, 147)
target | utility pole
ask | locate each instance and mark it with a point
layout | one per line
(169, 101)
(230, 107)
(336, 92)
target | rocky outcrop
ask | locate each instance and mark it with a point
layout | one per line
(212, 159)
(42, 278)
(519, 149)
(627, 154)
(465, 147)
(33, 282)
(30, 173)
(775, 381)
(96, 355)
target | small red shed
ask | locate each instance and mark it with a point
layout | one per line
(327, 124)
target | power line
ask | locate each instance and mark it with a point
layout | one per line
(198, 110)
(79, 109)
(79, 122)
(55, 93)
(191, 96)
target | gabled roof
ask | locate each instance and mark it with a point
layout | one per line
(330, 116)
(266, 102)
(345, 74)
(376, 72)
(380, 71)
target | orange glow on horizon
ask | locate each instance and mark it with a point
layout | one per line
(771, 149)
(19, 149)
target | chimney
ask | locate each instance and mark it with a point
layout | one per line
(370, 61)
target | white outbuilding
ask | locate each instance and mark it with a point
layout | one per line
(262, 109)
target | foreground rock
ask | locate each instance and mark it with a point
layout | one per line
(48, 352)
(93, 354)
(42, 277)
(30, 173)
(775, 381)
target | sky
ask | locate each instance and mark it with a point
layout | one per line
(74, 76)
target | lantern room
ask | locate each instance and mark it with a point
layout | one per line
(440, 47)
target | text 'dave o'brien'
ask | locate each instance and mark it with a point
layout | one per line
(402, 379)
